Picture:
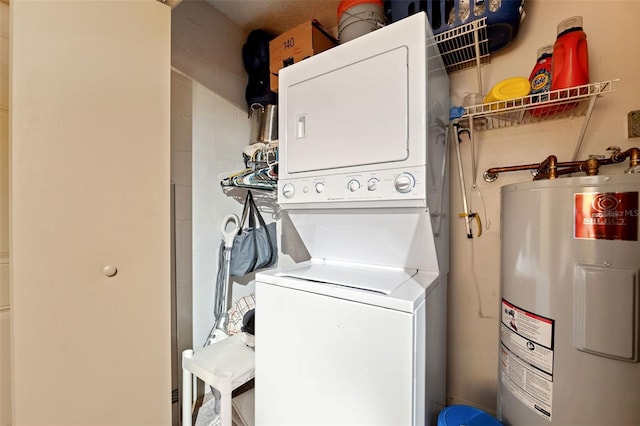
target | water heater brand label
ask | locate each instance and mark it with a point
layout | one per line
(606, 216)
(526, 357)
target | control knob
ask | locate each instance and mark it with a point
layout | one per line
(353, 185)
(404, 183)
(288, 190)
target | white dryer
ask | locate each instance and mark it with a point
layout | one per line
(356, 335)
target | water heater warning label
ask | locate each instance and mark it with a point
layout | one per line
(526, 357)
(606, 216)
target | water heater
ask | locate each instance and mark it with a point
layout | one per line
(570, 296)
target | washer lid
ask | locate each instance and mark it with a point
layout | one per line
(376, 279)
(388, 287)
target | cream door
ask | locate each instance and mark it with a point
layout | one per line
(90, 193)
(5, 312)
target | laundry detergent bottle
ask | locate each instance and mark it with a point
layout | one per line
(540, 77)
(570, 64)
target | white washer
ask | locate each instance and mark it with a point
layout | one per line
(350, 350)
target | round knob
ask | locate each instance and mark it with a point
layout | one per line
(404, 183)
(319, 187)
(109, 271)
(353, 185)
(288, 190)
(372, 184)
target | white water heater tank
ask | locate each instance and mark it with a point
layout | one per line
(570, 289)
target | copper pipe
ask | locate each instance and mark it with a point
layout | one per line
(590, 167)
(513, 168)
(550, 168)
(632, 153)
(560, 172)
(535, 166)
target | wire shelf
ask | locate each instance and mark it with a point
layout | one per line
(261, 169)
(465, 46)
(556, 104)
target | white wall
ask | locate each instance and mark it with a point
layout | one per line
(212, 127)
(612, 30)
(181, 171)
(210, 80)
(219, 134)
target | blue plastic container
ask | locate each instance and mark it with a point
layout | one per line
(503, 21)
(459, 415)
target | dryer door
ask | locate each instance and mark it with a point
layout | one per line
(353, 115)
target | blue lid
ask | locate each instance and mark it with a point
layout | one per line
(456, 112)
(459, 415)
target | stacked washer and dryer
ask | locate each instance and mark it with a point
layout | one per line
(357, 334)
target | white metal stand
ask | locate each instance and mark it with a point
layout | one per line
(224, 366)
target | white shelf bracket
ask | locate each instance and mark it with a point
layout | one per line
(585, 123)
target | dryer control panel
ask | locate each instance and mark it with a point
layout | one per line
(356, 189)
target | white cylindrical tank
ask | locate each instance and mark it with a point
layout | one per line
(570, 289)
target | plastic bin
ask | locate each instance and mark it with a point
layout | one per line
(503, 21)
(457, 415)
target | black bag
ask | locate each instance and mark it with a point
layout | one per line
(249, 322)
(254, 247)
(255, 56)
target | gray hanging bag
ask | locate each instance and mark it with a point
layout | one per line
(254, 247)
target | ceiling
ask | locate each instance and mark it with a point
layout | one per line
(277, 16)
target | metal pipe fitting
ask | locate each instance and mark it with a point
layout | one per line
(550, 168)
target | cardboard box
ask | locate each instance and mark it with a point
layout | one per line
(298, 43)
